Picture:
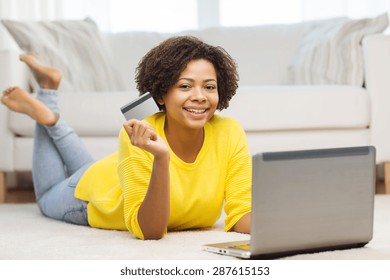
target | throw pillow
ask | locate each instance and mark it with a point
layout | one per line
(75, 47)
(331, 51)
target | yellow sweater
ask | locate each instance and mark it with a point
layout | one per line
(116, 186)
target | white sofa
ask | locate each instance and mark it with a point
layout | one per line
(279, 106)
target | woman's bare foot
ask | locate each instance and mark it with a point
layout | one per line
(47, 77)
(19, 100)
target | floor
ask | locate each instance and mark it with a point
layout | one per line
(48, 239)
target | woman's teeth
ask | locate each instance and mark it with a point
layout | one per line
(196, 111)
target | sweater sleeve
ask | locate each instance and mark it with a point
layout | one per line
(239, 181)
(134, 171)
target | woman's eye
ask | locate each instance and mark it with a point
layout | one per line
(211, 87)
(185, 86)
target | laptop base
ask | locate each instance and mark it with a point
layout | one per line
(307, 251)
(230, 249)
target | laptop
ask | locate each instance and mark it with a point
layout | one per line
(308, 201)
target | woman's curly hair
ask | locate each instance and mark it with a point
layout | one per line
(160, 68)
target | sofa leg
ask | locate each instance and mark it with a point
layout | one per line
(3, 187)
(387, 177)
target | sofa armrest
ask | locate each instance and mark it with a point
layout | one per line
(376, 50)
(12, 73)
(6, 141)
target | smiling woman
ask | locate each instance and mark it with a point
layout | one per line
(159, 178)
(189, 80)
(190, 104)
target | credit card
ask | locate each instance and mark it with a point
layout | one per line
(140, 108)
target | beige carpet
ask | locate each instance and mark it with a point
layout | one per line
(25, 235)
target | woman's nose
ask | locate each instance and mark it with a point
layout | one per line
(199, 94)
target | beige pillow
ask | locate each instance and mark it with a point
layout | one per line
(75, 47)
(331, 51)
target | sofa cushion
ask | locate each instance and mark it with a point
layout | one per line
(128, 48)
(275, 108)
(260, 51)
(262, 54)
(75, 47)
(88, 113)
(331, 51)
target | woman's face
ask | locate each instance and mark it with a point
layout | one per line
(192, 100)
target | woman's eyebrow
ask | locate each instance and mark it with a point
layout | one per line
(188, 79)
(192, 80)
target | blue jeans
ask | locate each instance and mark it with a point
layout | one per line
(59, 161)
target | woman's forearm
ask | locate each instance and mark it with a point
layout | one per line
(154, 211)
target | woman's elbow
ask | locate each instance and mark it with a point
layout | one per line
(244, 224)
(154, 236)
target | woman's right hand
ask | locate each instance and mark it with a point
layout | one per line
(142, 135)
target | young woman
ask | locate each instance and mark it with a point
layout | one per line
(175, 170)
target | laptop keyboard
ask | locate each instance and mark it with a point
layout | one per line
(242, 247)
